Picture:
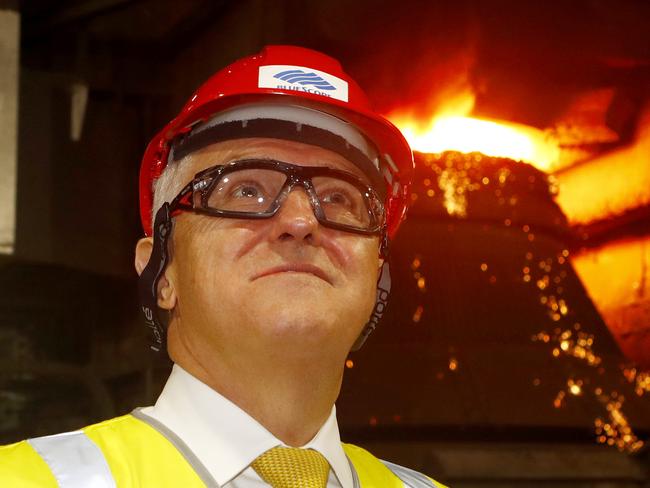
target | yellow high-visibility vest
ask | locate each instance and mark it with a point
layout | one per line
(136, 451)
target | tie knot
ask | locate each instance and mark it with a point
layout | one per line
(291, 467)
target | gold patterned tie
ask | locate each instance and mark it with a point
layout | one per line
(292, 467)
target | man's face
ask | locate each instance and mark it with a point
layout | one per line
(284, 284)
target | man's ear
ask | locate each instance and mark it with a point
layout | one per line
(166, 290)
(143, 250)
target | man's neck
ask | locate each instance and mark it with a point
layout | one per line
(291, 397)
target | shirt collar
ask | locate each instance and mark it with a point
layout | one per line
(224, 437)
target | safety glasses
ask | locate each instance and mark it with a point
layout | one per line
(256, 189)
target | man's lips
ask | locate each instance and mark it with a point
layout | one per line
(295, 268)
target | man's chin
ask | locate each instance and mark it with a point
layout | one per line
(292, 279)
(295, 292)
(301, 322)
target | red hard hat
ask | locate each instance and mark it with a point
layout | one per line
(277, 72)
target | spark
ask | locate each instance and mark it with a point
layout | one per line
(417, 315)
(453, 364)
(640, 380)
(615, 430)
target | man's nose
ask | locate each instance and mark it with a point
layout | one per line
(295, 219)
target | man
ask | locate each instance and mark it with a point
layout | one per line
(275, 194)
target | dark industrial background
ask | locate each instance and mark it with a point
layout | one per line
(463, 393)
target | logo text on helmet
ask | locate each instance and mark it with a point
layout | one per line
(300, 78)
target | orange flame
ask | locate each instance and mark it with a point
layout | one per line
(452, 129)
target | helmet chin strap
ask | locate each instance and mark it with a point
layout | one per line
(383, 292)
(150, 276)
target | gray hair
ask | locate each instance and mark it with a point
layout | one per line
(169, 183)
(175, 176)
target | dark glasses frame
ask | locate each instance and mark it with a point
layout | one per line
(203, 183)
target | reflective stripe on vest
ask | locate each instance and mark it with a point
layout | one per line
(75, 460)
(410, 478)
(180, 446)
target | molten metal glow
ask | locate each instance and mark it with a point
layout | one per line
(454, 131)
(617, 280)
(608, 186)
(468, 134)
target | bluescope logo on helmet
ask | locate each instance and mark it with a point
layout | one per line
(300, 78)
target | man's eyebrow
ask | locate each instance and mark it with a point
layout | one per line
(252, 152)
(224, 157)
(243, 154)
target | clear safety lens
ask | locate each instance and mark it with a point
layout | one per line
(342, 202)
(247, 190)
(254, 191)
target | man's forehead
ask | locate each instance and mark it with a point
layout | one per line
(293, 152)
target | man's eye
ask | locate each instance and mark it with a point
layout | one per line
(246, 191)
(336, 198)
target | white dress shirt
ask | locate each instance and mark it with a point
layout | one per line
(226, 440)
